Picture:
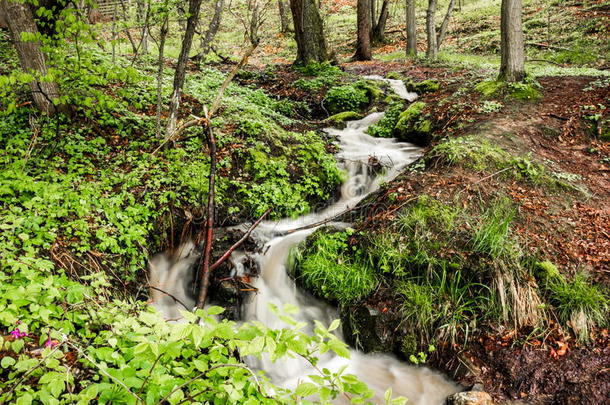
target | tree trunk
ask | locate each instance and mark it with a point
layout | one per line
(143, 13)
(411, 28)
(210, 34)
(20, 19)
(284, 17)
(160, 61)
(512, 67)
(180, 75)
(378, 34)
(443, 30)
(308, 32)
(363, 45)
(432, 50)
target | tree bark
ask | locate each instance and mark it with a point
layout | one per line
(284, 17)
(363, 45)
(512, 67)
(210, 33)
(20, 19)
(411, 28)
(161, 59)
(180, 75)
(443, 30)
(432, 50)
(378, 34)
(309, 32)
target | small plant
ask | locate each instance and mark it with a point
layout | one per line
(346, 98)
(493, 236)
(422, 357)
(490, 106)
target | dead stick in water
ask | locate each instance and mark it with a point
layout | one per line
(169, 295)
(237, 244)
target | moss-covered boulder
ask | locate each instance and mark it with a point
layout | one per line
(413, 126)
(342, 117)
(426, 86)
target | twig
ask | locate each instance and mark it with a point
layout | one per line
(491, 175)
(90, 360)
(170, 295)
(237, 244)
(320, 223)
(150, 373)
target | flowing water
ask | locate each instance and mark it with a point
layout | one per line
(358, 150)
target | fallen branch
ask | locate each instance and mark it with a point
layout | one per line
(237, 244)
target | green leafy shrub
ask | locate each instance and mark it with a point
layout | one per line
(385, 127)
(346, 98)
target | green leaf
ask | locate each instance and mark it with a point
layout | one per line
(306, 389)
(7, 362)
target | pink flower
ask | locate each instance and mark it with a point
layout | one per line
(51, 343)
(17, 334)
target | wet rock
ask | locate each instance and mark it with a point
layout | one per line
(368, 329)
(470, 398)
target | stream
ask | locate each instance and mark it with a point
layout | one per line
(420, 385)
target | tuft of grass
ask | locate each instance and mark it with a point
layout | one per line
(332, 269)
(471, 152)
(493, 237)
(578, 304)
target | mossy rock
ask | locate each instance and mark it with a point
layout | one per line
(426, 86)
(341, 117)
(519, 91)
(393, 76)
(412, 126)
(373, 91)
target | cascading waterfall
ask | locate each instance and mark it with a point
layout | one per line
(420, 385)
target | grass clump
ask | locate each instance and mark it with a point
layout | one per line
(333, 269)
(579, 305)
(469, 151)
(493, 237)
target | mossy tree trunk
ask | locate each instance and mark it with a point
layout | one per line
(432, 50)
(19, 19)
(363, 45)
(308, 32)
(512, 67)
(411, 28)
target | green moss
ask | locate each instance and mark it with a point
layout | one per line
(528, 90)
(425, 86)
(393, 76)
(384, 128)
(344, 116)
(412, 126)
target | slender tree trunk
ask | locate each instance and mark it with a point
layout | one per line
(180, 75)
(443, 30)
(20, 19)
(411, 28)
(378, 34)
(160, 62)
(512, 67)
(308, 32)
(210, 33)
(432, 50)
(284, 17)
(143, 13)
(363, 45)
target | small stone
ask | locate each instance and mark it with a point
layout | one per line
(470, 398)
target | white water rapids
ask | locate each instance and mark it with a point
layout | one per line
(420, 385)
